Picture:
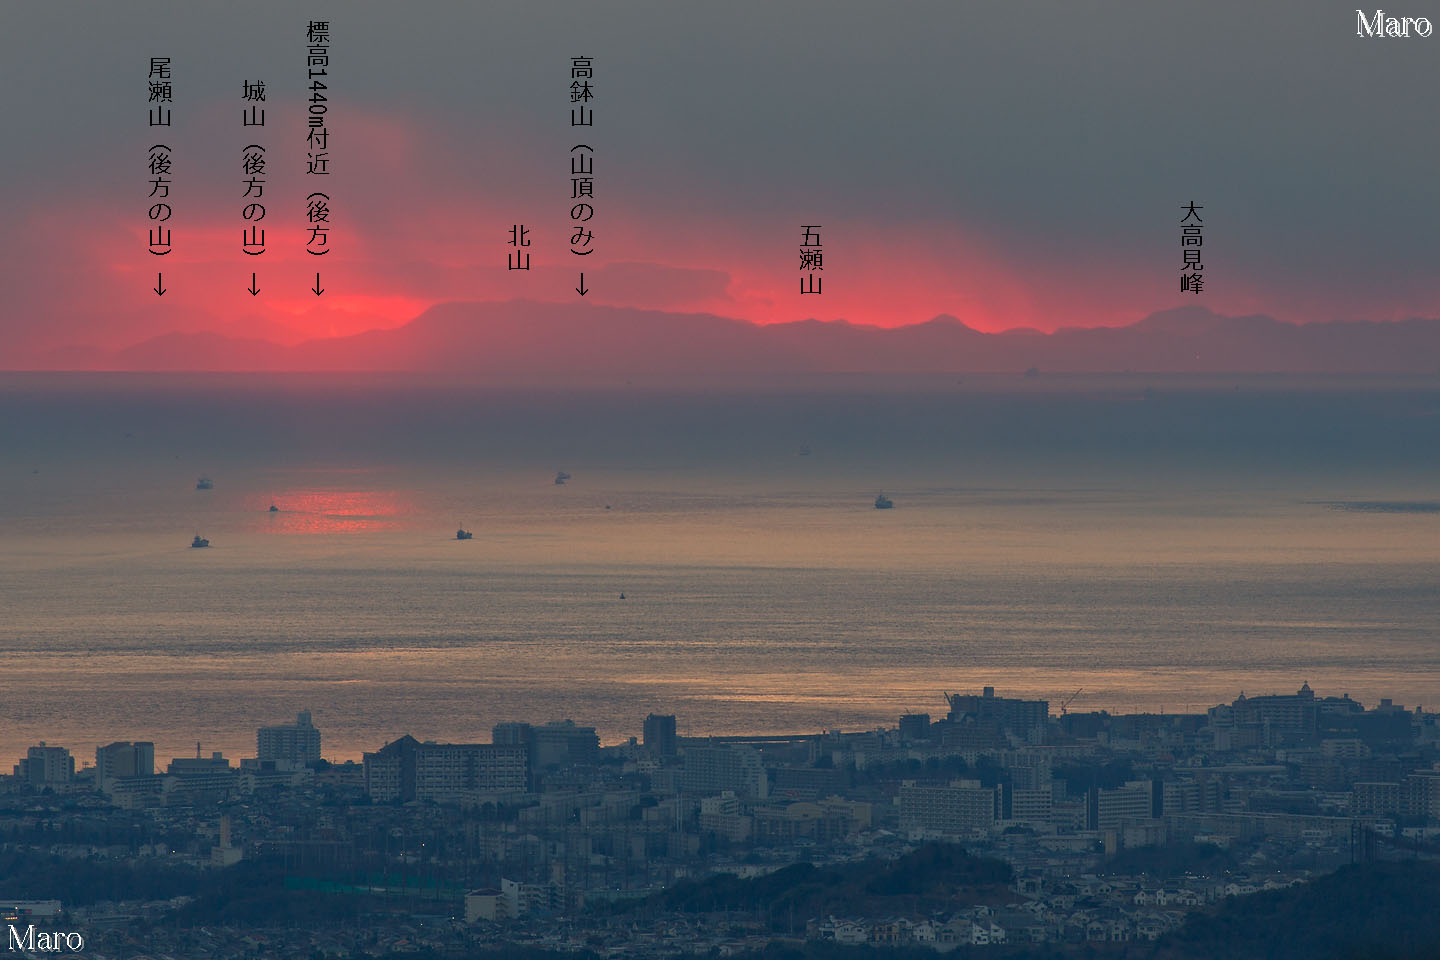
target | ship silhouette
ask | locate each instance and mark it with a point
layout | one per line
(199, 541)
(883, 502)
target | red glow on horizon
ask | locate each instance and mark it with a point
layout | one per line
(312, 511)
(437, 234)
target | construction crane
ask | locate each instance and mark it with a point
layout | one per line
(1068, 700)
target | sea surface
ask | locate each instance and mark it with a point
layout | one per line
(1127, 543)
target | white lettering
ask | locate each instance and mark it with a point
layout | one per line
(1383, 26)
(1370, 30)
(37, 941)
(27, 944)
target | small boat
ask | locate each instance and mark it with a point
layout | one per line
(274, 509)
(463, 534)
(622, 596)
(204, 483)
(199, 541)
(883, 502)
(803, 452)
(560, 478)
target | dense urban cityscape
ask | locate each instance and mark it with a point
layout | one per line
(998, 826)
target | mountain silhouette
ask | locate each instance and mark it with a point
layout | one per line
(528, 337)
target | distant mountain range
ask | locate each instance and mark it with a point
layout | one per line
(526, 337)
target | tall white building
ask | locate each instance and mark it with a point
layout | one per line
(45, 765)
(715, 768)
(444, 772)
(460, 772)
(298, 742)
(1111, 809)
(958, 807)
(123, 760)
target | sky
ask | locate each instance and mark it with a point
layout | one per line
(1017, 164)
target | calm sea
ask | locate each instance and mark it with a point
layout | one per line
(1137, 542)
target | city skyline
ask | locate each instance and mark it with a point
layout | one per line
(1077, 828)
(285, 734)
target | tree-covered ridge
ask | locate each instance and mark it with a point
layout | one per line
(936, 876)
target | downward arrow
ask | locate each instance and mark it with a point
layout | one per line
(254, 287)
(317, 288)
(159, 284)
(581, 289)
